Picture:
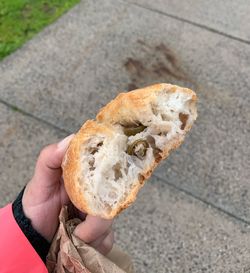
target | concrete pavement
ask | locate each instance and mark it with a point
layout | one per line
(197, 216)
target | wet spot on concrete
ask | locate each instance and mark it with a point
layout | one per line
(154, 64)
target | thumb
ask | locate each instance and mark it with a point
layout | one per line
(48, 167)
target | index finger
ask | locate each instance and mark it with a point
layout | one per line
(92, 228)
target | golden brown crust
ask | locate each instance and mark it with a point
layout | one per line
(136, 104)
(125, 108)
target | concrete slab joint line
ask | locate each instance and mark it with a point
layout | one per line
(211, 29)
(62, 130)
(23, 112)
(203, 200)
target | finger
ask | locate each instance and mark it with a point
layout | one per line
(92, 228)
(100, 239)
(48, 167)
(107, 244)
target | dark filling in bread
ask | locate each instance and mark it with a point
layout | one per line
(132, 130)
(183, 118)
(138, 148)
(117, 171)
(156, 150)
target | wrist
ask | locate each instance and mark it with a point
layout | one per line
(39, 243)
(37, 216)
(37, 224)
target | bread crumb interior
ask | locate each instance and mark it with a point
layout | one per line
(133, 149)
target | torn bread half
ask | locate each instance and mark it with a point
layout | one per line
(110, 158)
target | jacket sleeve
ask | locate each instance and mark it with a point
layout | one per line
(16, 252)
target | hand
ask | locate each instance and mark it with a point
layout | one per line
(45, 194)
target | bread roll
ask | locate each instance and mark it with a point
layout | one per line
(110, 158)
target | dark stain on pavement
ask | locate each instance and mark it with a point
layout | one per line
(157, 63)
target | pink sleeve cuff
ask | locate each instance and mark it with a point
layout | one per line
(16, 252)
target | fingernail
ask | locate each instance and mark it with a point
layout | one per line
(64, 143)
